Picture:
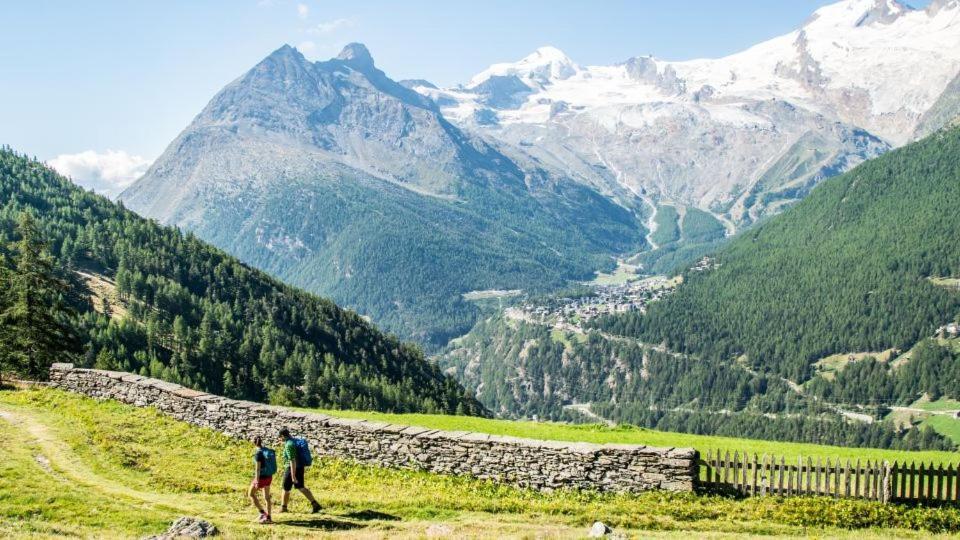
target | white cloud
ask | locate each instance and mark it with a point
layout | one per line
(303, 10)
(308, 49)
(107, 173)
(328, 27)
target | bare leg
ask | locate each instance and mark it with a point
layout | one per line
(266, 496)
(252, 493)
(284, 499)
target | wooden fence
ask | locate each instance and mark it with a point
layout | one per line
(864, 479)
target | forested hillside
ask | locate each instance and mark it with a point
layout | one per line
(531, 370)
(152, 300)
(741, 347)
(846, 270)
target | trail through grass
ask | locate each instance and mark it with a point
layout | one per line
(77, 467)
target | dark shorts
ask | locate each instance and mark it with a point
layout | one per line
(296, 482)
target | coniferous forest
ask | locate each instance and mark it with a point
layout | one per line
(847, 270)
(85, 280)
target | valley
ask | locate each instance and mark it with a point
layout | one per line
(572, 166)
(746, 319)
(532, 298)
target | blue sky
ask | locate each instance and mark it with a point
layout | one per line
(128, 76)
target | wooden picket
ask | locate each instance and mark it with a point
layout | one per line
(864, 479)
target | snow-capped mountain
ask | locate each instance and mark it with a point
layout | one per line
(740, 135)
(398, 197)
(347, 183)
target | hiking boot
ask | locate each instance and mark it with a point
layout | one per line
(316, 508)
(265, 519)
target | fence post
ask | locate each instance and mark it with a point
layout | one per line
(716, 467)
(923, 483)
(818, 474)
(767, 475)
(956, 484)
(744, 481)
(733, 465)
(836, 480)
(940, 479)
(887, 482)
(726, 468)
(857, 475)
(846, 480)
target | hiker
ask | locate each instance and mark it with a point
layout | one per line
(296, 456)
(265, 465)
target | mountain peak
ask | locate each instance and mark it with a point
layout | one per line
(549, 53)
(855, 13)
(286, 51)
(357, 55)
(540, 66)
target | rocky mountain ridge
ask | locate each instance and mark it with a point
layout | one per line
(739, 136)
(338, 179)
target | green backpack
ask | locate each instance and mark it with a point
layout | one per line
(269, 467)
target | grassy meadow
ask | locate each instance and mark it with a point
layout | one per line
(77, 467)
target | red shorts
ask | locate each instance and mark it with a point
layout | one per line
(262, 482)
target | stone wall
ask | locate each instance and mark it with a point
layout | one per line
(530, 463)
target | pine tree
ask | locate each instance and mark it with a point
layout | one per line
(37, 323)
(6, 359)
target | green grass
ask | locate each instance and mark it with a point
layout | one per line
(560, 336)
(942, 404)
(622, 274)
(945, 425)
(829, 366)
(596, 433)
(77, 467)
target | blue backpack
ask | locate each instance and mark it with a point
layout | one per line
(269, 467)
(303, 452)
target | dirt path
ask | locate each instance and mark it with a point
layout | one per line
(584, 409)
(59, 460)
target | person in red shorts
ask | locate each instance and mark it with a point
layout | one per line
(265, 465)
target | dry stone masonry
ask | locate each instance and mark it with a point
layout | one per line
(542, 465)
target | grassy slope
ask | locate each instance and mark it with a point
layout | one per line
(942, 404)
(74, 466)
(946, 426)
(633, 435)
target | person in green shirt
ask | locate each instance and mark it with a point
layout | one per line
(293, 472)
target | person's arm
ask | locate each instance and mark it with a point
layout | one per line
(293, 461)
(256, 469)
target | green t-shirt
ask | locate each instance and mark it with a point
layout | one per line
(289, 452)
